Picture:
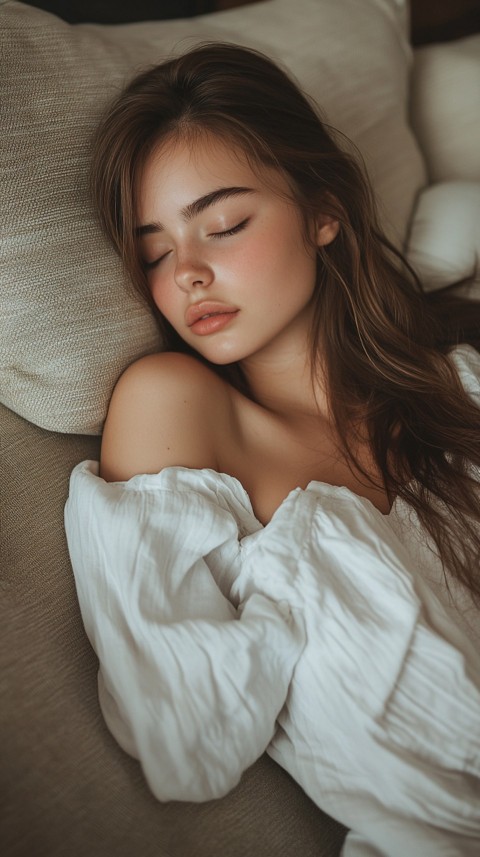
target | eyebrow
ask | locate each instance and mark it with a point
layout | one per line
(197, 206)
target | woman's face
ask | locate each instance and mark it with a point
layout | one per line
(224, 249)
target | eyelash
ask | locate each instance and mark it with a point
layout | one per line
(231, 231)
(148, 266)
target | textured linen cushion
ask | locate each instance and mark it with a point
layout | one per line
(446, 108)
(70, 326)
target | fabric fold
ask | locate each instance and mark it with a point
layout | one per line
(189, 685)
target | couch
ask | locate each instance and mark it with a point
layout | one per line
(70, 325)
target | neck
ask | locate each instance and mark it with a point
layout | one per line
(284, 384)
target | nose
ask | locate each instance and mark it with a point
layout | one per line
(192, 273)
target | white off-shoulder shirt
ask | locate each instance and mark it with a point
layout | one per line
(326, 638)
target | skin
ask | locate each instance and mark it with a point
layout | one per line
(244, 254)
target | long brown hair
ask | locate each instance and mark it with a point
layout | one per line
(383, 342)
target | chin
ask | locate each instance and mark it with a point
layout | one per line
(221, 358)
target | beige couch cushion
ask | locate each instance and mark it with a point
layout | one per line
(70, 326)
(66, 786)
(445, 108)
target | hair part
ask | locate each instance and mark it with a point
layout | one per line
(383, 343)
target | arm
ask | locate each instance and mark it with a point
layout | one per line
(187, 685)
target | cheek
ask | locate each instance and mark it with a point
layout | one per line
(284, 262)
(156, 293)
(259, 260)
(163, 298)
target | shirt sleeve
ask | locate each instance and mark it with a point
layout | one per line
(188, 684)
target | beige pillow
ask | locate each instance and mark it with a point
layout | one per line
(69, 324)
(446, 108)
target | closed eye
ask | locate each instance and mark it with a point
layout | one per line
(148, 266)
(231, 231)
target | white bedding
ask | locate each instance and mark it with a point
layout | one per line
(325, 638)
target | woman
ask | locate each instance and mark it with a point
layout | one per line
(283, 544)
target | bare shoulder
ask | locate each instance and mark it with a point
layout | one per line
(165, 410)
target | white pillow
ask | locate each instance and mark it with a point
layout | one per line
(444, 245)
(446, 108)
(70, 326)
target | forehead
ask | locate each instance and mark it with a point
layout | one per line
(180, 170)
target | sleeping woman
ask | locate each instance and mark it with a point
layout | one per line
(279, 547)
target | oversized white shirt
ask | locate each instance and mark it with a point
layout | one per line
(325, 638)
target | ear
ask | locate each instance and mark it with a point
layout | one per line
(327, 230)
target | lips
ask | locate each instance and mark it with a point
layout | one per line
(207, 309)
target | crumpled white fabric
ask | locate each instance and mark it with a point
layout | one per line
(316, 638)
(188, 684)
